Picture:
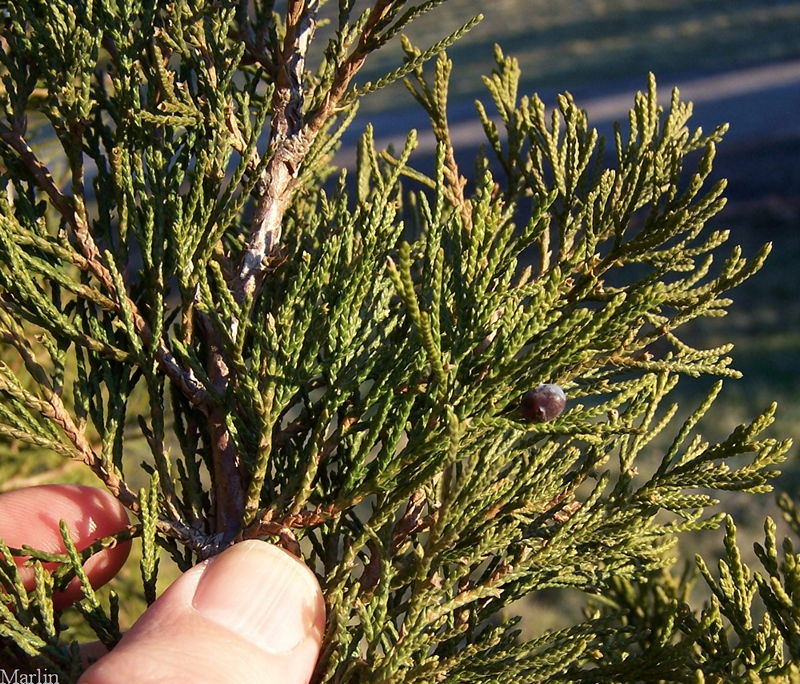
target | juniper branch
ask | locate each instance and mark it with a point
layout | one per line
(294, 131)
(288, 147)
(90, 260)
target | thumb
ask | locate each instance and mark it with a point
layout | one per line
(252, 614)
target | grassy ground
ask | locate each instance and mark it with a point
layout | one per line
(575, 44)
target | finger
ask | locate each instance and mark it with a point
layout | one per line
(252, 614)
(31, 516)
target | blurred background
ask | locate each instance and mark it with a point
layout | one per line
(739, 62)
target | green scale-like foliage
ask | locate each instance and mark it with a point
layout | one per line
(348, 386)
(747, 631)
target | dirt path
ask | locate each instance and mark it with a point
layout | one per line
(759, 103)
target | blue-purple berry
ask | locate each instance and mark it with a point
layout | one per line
(544, 402)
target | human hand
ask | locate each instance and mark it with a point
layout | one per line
(254, 613)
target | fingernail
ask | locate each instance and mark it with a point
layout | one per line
(262, 594)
